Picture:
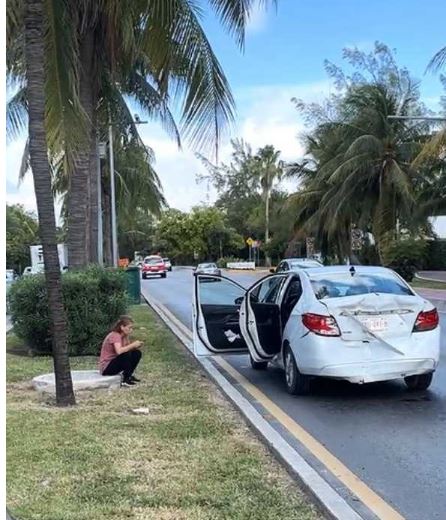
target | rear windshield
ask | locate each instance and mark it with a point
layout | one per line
(153, 261)
(207, 266)
(343, 284)
(305, 265)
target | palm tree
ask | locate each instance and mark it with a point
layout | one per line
(35, 74)
(366, 179)
(136, 48)
(268, 171)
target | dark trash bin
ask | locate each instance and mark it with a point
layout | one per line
(133, 284)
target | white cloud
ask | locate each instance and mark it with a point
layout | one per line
(265, 116)
(257, 18)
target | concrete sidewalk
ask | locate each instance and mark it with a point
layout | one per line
(433, 276)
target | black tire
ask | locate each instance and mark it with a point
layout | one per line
(258, 365)
(144, 277)
(296, 383)
(164, 275)
(419, 382)
(170, 269)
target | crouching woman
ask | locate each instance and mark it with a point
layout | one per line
(118, 354)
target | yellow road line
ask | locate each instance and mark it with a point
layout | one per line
(351, 481)
(371, 499)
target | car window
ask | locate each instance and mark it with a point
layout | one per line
(153, 261)
(221, 292)
(337, 285)
(305, 264)
(267, 291)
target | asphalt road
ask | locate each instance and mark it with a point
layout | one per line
(391, 439)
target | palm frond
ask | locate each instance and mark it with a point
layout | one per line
(438, 61)
(17, 114)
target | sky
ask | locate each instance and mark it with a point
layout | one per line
(284, 57)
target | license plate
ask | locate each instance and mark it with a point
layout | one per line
(376, 324)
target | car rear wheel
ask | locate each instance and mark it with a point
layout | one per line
(258, 365)
(296, 383)
(419, 382)
(163, 275)
(144, 277)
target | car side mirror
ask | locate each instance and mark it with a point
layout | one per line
(272, 270)
(238, 301)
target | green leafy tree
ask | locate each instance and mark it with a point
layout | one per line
(22, 231)
(201, 234)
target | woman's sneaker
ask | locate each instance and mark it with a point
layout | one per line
(128, 382)
(135, 379)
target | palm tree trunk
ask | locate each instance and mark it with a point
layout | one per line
(79, 179)
(35, 72)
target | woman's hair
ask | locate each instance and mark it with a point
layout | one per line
(122, 322)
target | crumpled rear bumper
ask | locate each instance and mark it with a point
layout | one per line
(374, 371)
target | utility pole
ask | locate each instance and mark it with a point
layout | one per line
(100, 232)
(113, 196)
(114, 231)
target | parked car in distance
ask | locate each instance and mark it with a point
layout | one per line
(208, 268)
(294, 264)
(362, 324)
(168, 263)
(154, 266)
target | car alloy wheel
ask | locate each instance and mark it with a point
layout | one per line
(296, 383)
(290, 372)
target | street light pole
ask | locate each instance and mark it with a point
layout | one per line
(112, 188)
(99, 183)
(113, 196)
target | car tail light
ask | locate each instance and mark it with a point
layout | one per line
(321, 325)
(426, 320)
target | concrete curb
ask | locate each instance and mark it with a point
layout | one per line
(324, 496)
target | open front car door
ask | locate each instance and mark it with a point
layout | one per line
(260, 318)
(216, 307)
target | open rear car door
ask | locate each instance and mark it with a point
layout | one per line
(260, 317)
(216, 309)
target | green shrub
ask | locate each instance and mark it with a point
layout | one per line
(94, 299)
(436, 255)
(405, 256)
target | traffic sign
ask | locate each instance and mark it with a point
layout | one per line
(249, 241)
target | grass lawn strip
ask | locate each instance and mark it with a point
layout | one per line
(191, 457)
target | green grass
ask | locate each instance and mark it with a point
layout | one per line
(191, 457)
(424, 284)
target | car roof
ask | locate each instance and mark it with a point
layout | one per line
(300, 260)
(341, 269)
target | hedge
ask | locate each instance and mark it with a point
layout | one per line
(436, 255)
(94, 299)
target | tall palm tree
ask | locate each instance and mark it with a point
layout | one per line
(35, 74)
(367, 178)
(159, 44)
(268, 171)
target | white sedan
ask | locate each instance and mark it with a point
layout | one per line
(361, 324)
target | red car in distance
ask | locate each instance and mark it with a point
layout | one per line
(153, 265)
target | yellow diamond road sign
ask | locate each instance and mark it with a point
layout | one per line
(249, 241)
